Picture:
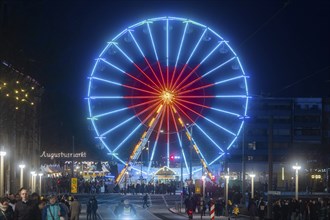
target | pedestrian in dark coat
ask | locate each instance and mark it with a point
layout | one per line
(6, 211)
(145, 200)
(25, 209)
(94, 207)
(252, 209)
(89, 210)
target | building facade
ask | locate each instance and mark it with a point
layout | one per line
(286, 131)
(20, 97)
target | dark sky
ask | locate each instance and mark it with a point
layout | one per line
(283, 45)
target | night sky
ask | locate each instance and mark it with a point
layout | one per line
(283, 45)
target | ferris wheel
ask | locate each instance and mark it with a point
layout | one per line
(169, 84)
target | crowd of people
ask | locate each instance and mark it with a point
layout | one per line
(23, 206)
(101, 184)
(282, 209)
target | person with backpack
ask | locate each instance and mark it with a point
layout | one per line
(53, 210)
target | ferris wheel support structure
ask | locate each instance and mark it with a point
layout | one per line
(140, 145)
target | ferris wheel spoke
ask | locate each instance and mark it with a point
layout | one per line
(140, 97)
(197, 149)
(229, 79)
(112, 65)
(127, 120)
(146, 60)
(196, 96)
(123, 109)
(140, 81)
(209, 107)
(117, 126)
(231, 144)
(156, 55)
(127, 137)
(232, 96)
(194, 70)
(212, 96)
(137, 127)
(195, 89)
(179, 139)
(207, 119)
(179, 52)
(122, 71)
(157, 137)
(123, 97)
(207, 73)
(153, 46)
(192, 53)
(219, 66)
(167, 58)
(208, 137)
(216, 159)
(123, 85)
(136, 66)
(167, 136)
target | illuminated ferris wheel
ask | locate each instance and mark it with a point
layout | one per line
(172, 83)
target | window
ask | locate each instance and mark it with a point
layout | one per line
(252, 145)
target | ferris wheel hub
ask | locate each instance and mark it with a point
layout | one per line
(167, 96)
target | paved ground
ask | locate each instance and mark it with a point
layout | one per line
(161, 207)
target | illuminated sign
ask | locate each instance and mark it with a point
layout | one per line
(63, 155)
(74, 185)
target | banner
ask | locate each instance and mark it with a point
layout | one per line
(74, 185)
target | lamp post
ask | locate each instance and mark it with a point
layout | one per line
(126, 173)
(297, 168)
(141, 177)
(227, 180)
(40, 175)
(21, 166)
(32, 180)
(2, 154)
(252, 185)
(203, 178)
(148, 148)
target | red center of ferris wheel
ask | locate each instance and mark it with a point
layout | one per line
(167, 97)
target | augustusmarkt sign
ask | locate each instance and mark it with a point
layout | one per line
(63, 155)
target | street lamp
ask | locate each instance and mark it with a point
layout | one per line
(252, 185)
(148, 148)
(227, 180)
(2, 154)
(40, 175)
(297, 168)
(21, 166)
(32, 180)
(203, 178)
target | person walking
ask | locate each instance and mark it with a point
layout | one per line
(53, 210)
(94, 207)
(145, 200)
(75, 209)
(25, 209)
(89, 209)
(253, 209)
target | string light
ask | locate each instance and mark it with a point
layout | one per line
(18, 91)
